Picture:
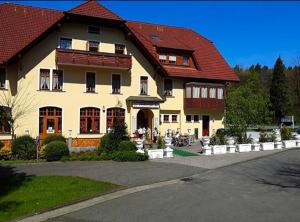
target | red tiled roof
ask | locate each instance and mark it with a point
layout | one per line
(94, 9)
(211, 63)
(20, 25)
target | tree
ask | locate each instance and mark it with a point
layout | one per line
(279, 91)
(247, 105)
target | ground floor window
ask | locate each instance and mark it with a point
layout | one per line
(113, 115)
(89, 120)
(4, 124)
(50, 120)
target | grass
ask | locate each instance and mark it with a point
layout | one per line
(22, 195)
(183, 153)
(9, 162)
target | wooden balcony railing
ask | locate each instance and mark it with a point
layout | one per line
(206, 103)
(94, 59)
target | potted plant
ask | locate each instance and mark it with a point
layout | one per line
(255, 145)
(231, 144)
(157, 153)
(243, 142)
(218, 143)
(288, 139)
(266, 141)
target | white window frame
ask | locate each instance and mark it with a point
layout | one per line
(220, 89)
(65, 37)
(212, 96)
(186, 95)
(172, 82)
(202, 92)
(174, 58)
(112, 82)
(188, 60)
(88, 44)
(162, 57)
(86, 80)
(139, 92)
(171, 120)
(51, 80)
(197, 96)
(192, 118)
(119, 43)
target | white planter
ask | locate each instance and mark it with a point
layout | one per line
(289, 143)
(243, 147)
(139, 145)
(267, 146)
(219, 149)
(255, 147)
(231, 148)
(156, 154)
(278, 145)
(168, 152)
(206, 148)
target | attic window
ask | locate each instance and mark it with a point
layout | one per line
(93, 29)
(172, 59)
(162, 58)
(155, 37)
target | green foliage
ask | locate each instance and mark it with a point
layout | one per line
(1, 144)
(286, 133)
(24, 148)
(56, 150)
(218, 139)
(123, 156)
(84, 156)
(53, 137)
(127, 146)
(242, 138)
(160, 143)
(279, 91)
(265, 137)
(246, 106)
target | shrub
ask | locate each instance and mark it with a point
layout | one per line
(53, 137)
(123, 156)
(5, 153)
(55, 151)
(160, 143)
(218, 139)
(127, 146)
(107, 144)
(242, 138)
(24, 148)
(1, 144)
(286, 133)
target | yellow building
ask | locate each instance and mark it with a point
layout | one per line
(76, 72)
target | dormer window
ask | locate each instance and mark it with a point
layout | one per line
(162, 58)
(65, 43)
(154, 37)
(119, 49)
(93, 46)
(172, 59)
(93, 29)
(185, 60)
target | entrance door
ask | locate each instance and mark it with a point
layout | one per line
(205, 125)
(50, 121)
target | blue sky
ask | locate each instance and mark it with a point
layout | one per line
(245, 32)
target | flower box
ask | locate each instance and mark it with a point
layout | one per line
(243, 147)
(267, 146)
(255, 147)
(289, 143)
(231, 148)
(219, 149)
(156, 154)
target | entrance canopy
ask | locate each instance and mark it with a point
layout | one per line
(141, 102)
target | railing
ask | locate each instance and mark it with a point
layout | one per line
(205, 103)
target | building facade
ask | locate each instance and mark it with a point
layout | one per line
(76, 72)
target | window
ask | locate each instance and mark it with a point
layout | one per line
(188, 118)
(204, 92)
(2, 78)
(90, 82)
(120, 49)
(188, 92)
(116, 84)
(93, 46)
(220, 93)
(115, 115)
(44, 79)
(93, 29)
(166, 118)
(185, 60)
(196, 92)
(4, 124)
(89, 120)
(174, 118)
(196, 118)
(57, 80)
(65, 43)
(144, 85)
(212, 93)
(50, 120)
(172, 59)
(162, 58)
(154, 37)
(168, 87)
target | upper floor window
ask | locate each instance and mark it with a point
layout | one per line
(57, 80)
(89, 120)
(212, 93)
(65, 43)
(44, 79)
(2, 78)
(119, 49)
(188, 92)
(188, 118)
(93, 46)
(168, 87)
(144, 85)
(196, 118)
(220, 93)
(162, 58)
(174, 118)
(172, 59)
(204, 92)
(90, 81)
(185, 60)
(93, 29)
(166, 118)
(116, 84)
(196, 92)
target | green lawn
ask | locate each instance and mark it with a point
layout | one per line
(179, 152)
(22, 195)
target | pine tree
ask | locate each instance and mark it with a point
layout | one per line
(279, 91)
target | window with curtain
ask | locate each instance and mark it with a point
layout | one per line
(119, 49)
(174, 118)
(220, 93)
(162, 58)
(89, 120)
(144, 85)
(185, 60)
(65, 43)
(44, 79)
(212, 93)
(93, 46)
(188, 92)
(196, 92)
(116, 84)
(166, 118)
(90, 82)
(168, 87)
(57, 80)
(204, 92)
(172, 59)
(2, 77)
